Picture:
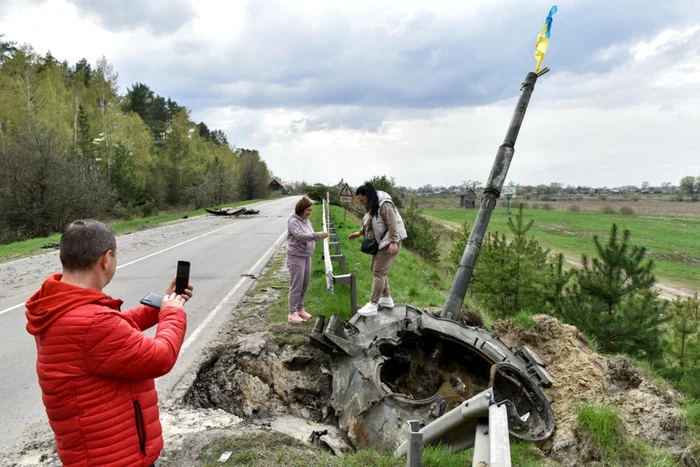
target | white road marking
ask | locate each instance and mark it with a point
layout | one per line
(264, 258)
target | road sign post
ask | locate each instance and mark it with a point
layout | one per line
(509, 192)
(345, 198)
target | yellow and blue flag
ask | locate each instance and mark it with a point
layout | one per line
(542, 42)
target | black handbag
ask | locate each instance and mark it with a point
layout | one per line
(370, 245)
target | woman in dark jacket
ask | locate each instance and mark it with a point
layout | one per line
(382, 222)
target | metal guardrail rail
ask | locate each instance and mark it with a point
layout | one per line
(332, 242)
(478, 422)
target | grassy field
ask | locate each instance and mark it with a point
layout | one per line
(34, 246)
(672, 241)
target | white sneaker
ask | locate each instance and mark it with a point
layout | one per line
(386, 302)
(368, 310)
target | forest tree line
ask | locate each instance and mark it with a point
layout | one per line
(72, 147)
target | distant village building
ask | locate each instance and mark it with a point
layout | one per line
(276, 187)
(467, 200)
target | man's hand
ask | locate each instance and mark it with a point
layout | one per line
(393, 248)
(172, 299)
(171, 290)
(354, 235)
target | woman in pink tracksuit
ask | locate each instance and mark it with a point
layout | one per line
(301, 241)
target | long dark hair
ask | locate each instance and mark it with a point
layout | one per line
(371, 193)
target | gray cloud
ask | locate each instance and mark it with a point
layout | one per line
(417, 61)
(157, 15)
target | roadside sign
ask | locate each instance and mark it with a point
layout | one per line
(509, 191)
(346, 194)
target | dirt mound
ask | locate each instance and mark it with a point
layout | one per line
(648, 412)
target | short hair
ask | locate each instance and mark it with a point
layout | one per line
(302, 206)
(83, 243)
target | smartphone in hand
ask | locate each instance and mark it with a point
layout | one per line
(182, 279)
(153, 300)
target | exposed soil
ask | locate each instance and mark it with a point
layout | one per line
(649, 412)
(641, 206)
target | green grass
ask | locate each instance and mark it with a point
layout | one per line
(275, 449)
(612, 445)
(692, 415)
(524, 320)
(24, 248)
(671, 241)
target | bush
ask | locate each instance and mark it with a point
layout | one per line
(602, 196)
(388, 186)
(626, 211)
(677, 198)
(148, 209)
(574, 208)
(422, 237)
(317, 192)
(578, 197)
(607, 209)
(547, 207)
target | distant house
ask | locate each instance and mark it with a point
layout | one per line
(276, 187)
(467, 200)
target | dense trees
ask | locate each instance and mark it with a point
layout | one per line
(71, 146)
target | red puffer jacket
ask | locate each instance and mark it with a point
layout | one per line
(96, 371)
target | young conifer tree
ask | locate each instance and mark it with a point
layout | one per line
(612, 299)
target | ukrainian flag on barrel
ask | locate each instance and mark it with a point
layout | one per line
(542, 42)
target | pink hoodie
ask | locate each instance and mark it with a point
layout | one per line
(301, 239)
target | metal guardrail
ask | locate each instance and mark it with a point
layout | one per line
(332, 242)
(478, 422)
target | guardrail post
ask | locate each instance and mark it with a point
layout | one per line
(414, 456)
(481, 444)
(340, 259)
(353, 294)
(499, 441)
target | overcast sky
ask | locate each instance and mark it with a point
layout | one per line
(419, 90)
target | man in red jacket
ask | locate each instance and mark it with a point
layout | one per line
(96, 367)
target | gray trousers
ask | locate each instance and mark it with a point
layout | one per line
(300, 272)
(380, 265)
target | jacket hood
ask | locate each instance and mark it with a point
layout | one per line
(56, 298)
(383, 196)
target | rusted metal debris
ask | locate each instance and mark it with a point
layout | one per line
(406, 364)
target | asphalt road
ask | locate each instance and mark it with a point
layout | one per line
(223, 251)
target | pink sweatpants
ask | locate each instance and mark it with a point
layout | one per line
(300, 272)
